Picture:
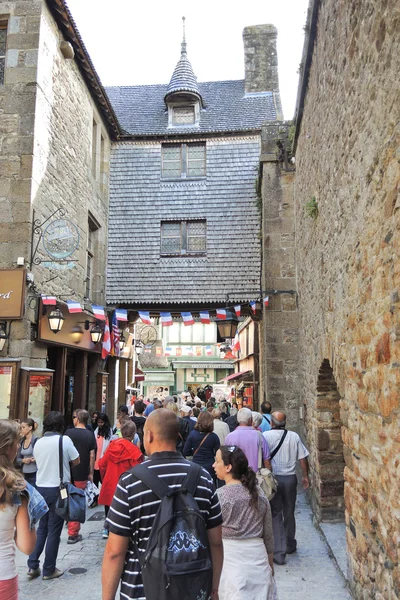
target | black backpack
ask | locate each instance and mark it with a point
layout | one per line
(176, 564)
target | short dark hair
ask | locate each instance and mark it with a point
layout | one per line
(123, 409)
(54, 422)
(266, 408)
(139, 407)
(195, 411)
(205, 422)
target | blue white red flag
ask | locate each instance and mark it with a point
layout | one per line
(253, 306)
(238, 310)
(115, 336)
(166, 319)
(205, 317)
(266, 300)
(208, 350)
(168, 351)
(145, 316)
(106, 345)
(187, 318)
(98, 312)
(49, 300)
(74, 307)
(221, 313)
(122, 314)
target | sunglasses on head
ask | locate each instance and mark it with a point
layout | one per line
(231, 448)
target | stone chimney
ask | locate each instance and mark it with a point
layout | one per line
(260, 59)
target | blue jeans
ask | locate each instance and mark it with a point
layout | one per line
(48, 533)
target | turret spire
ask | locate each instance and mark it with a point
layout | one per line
(183, 79)
(183, 45)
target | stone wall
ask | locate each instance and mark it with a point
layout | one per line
(347, 167)
(279, 337)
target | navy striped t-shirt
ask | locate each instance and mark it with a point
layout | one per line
(134, 507)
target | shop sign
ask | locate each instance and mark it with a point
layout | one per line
(61, 239)
(12, 293)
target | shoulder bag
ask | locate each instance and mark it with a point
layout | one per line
(200, 445)
(266, 480)
(71, 502)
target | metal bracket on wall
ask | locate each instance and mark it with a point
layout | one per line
(37, 229)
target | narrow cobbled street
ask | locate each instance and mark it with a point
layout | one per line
(310, 574)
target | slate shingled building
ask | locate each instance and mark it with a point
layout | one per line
(184, 223)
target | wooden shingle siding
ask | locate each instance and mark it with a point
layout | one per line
(140, 200)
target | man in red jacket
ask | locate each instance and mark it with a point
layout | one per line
(120, 456)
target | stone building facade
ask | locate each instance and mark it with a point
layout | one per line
(347, 148)
(55, 128)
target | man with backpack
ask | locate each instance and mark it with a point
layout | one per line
(165, 540)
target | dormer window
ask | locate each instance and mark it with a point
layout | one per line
(183, 115)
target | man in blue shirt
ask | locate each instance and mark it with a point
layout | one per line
(149, 408)
(266, 415)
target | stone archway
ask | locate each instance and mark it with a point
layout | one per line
(329, 461)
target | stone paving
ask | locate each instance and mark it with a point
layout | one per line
(310, 574)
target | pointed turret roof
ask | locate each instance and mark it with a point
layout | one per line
(183, 79)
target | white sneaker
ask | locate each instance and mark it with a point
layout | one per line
(104, 534)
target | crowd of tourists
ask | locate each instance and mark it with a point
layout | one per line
(191, 507)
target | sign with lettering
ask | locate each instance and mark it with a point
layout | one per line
(12, 293)
(61, 239)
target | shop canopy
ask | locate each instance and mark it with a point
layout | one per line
(239, 375)
(139, 375)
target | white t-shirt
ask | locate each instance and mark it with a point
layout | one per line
(292, 450)
(46, 453)
(8, 569)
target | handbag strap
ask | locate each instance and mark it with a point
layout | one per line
(275, 450)
(201, 443)
(60, 459)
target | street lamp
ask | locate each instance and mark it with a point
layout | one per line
(56, 320)
(3, 335)
(77, 334)
(227, 327)
(96, 333)
(139, 348)
(122, 341)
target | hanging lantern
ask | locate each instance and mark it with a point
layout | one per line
(227, 327)
(139, 348)
(3, 335)
(122, 341)
(56, 320)
(96, 334)
(77, 334)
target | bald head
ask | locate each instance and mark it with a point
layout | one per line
(162, 426)
(278, 419)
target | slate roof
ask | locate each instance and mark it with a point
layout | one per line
(183, 78)
(141, 109)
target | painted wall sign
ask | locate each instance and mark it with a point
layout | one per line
(12, 293)
(61, 239)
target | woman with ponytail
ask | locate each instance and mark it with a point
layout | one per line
(248, 570)
(14, 516)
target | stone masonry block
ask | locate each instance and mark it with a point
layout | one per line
(12, 58)
(14, 24)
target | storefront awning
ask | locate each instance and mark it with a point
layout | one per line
(239, 375)
(202, 365)
(159, 377)
(139, 375)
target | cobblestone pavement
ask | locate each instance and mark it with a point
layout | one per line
(310, 574)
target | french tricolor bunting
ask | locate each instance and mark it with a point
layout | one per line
(74, 307)
(121, 314)
(187, 318)
(145, 316)
(98, 312)
(205, 317)
(49, 300)
(166, 319)
(266, 300)
(238, 310)
(221, 313)
(253, 306)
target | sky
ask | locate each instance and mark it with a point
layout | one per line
(134, 42)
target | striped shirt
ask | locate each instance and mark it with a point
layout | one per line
(292, 449)
(134, 507)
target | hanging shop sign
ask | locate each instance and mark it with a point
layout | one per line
(61, 239)
(12, 293)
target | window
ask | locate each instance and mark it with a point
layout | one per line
(93, 227)
(183, 160)
(183, 115)
(3, 44)
(183, 237)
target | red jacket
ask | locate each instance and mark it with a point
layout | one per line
(121, 455)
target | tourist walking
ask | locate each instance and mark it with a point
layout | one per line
(85, 443)
(121, 455)
(284, 467)
(202, 443)
(248, 571)
(15, 528)
(102, 436)
(135, 505)
(266, 409)
(221, 429)
(184, 428)
(186, 413)
(249, 439)
(46, 453)
(25, 458)
(139, 420)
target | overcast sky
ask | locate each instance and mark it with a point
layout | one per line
(133, 42)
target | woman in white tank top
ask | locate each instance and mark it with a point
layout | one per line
(14, 519)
